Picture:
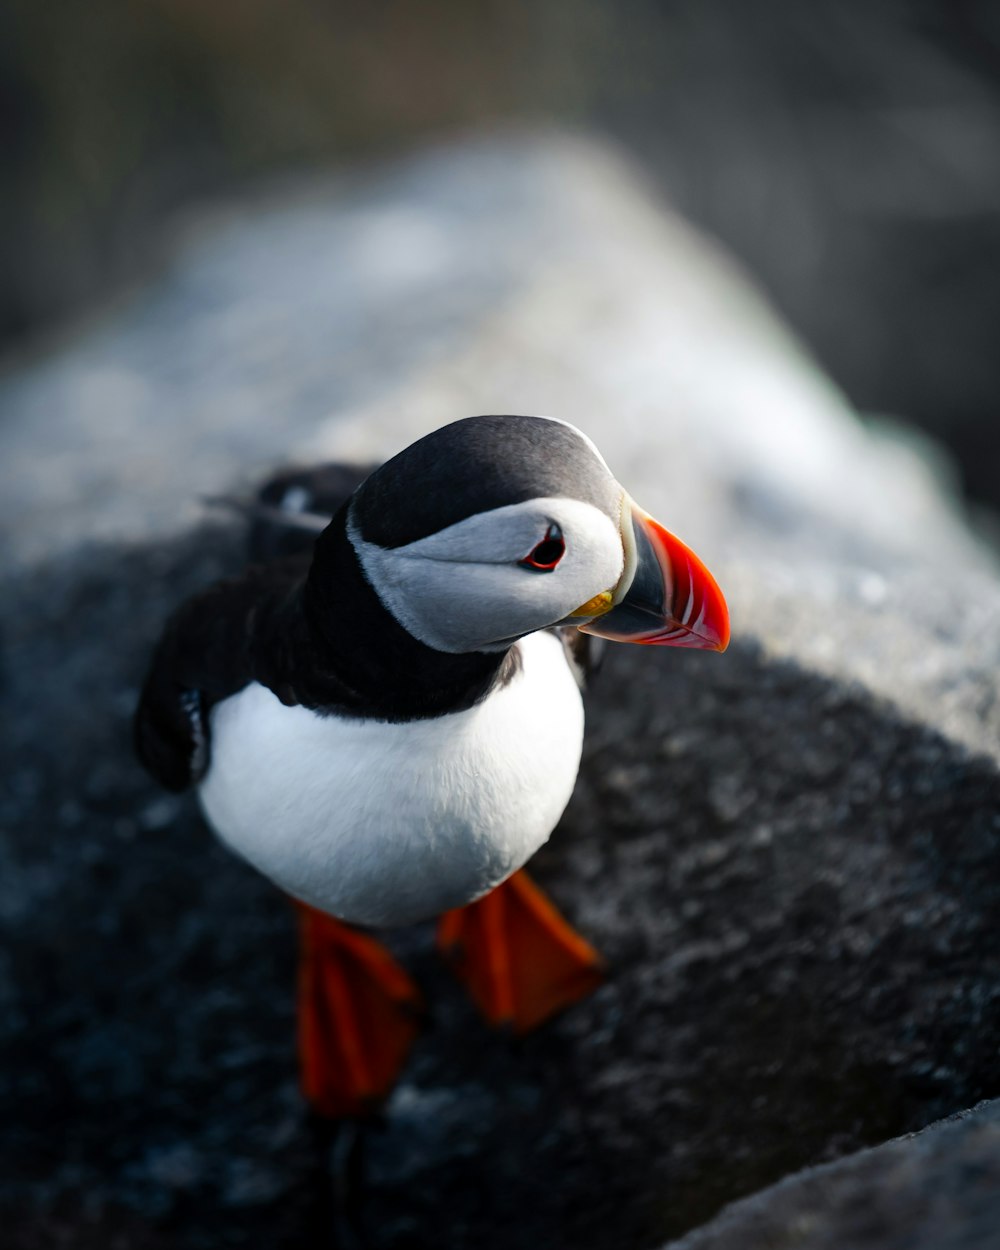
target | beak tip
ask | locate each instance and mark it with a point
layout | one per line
(720, 624)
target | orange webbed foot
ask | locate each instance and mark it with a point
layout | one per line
(519, 959)
(359, 1014)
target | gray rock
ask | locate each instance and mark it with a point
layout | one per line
(934, 1189)
(788, 854)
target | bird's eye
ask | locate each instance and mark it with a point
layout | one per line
(544, 557)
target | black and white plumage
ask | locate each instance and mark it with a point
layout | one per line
(389, 727)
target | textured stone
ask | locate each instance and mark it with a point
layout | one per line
(788, 854)
(934, 1189)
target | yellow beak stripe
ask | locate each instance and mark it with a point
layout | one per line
(597, 606)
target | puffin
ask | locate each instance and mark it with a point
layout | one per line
(383, 715)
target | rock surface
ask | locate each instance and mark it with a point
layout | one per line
(789, 854)
(935, 1189)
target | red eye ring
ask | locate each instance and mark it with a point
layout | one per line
(544, 556)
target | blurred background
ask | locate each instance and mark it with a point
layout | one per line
(849, 154)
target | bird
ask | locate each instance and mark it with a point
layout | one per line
(384, 717)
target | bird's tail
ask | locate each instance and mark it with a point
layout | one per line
(293, 507)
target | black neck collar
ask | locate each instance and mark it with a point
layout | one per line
(366, 662)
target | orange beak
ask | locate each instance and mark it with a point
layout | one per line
(670, 599)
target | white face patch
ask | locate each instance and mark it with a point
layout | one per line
(463, 589)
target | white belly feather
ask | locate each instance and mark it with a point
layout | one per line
(385, 824)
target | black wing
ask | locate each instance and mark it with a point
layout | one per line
(210, 648)
(205, 654)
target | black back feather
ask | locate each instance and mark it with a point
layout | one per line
(318, 491)
(210, 646)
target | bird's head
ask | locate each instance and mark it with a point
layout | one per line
(496, 526)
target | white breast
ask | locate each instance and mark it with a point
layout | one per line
(385, 824)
